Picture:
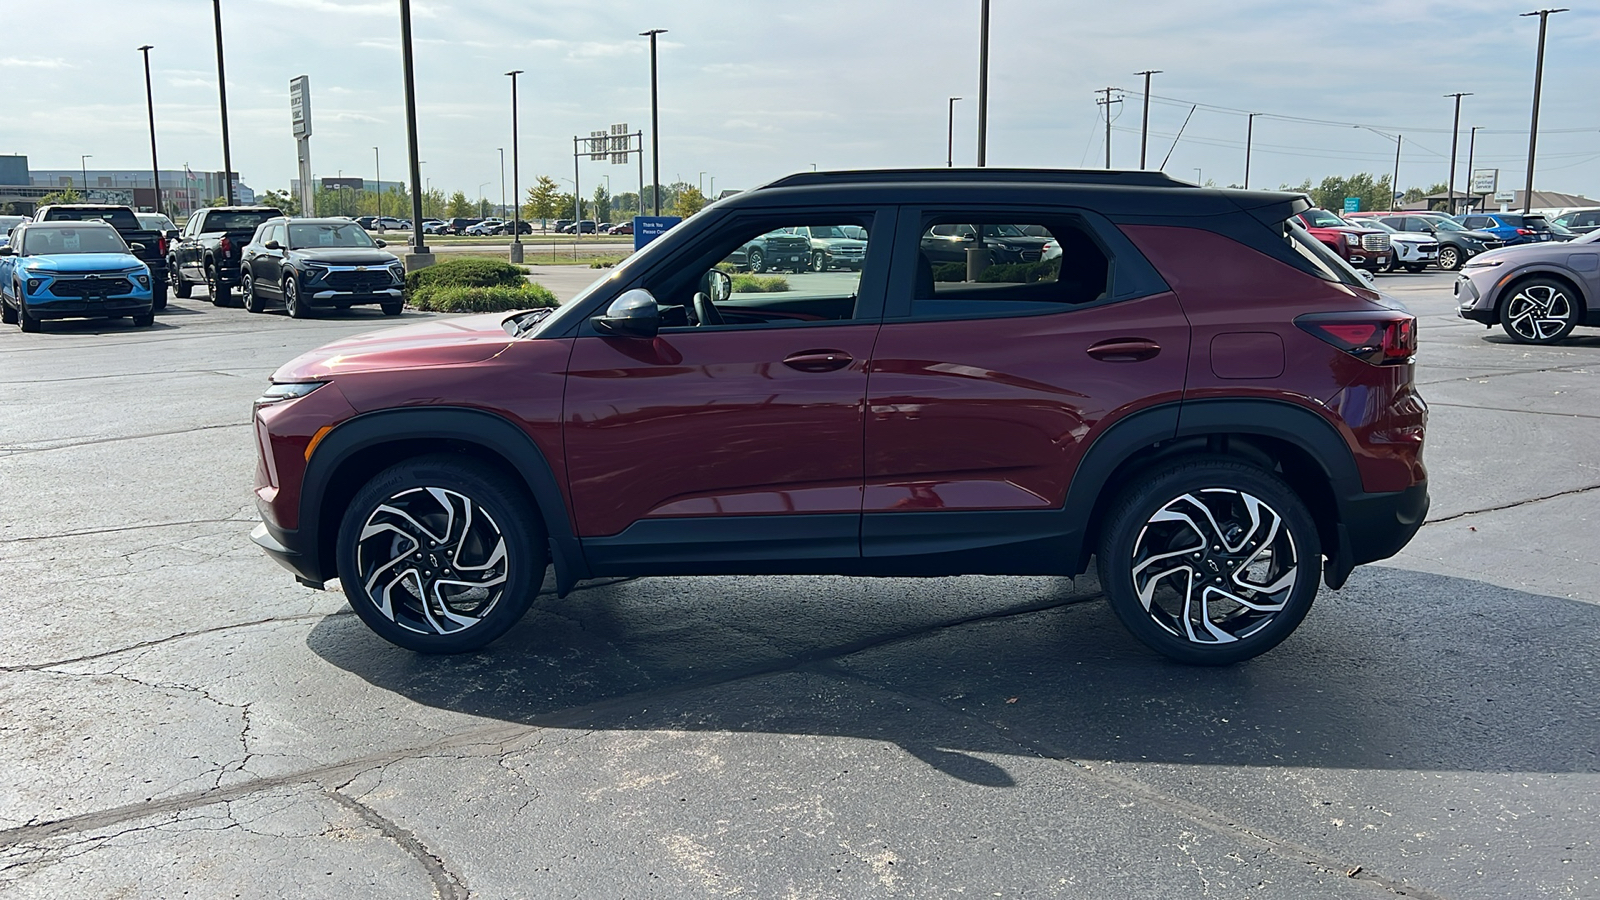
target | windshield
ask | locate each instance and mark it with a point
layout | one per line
(1376, 223)
(9, 222)
(1321, 218)
(1447, 225)
(327, 234)
(155, 222)
(40, 241)
(828, 232)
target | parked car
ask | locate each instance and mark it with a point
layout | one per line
(1536, 292)
(312, 264)
(1359, 245)
(1512, 228)
(1007, 243)
(434, 226)
(369, 223)
(1581, 221)
(622, 228)
(778, 249)
(1230, 420)
(521, 226)
(1457, 243)
(150, 244)
(6, 224)
(831, 248)
(459, 225)
(72, 270)
(159, 223)
(584, 227)
(486, 227)
(1411, 250)
(559, 226)
(208, 250)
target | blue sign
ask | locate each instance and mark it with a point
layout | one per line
(648, 228)
(1352, 204)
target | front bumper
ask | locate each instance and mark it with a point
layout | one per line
(1473, 303)
(74, 308)
(326, 298)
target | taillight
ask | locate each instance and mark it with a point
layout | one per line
(1524, 231)
(226, 246)
(161, 246)
(1379, 338)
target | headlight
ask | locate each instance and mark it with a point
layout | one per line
(1481, 263)
(1353, 240)
(398, 271)
(143, 279)
(277, 393)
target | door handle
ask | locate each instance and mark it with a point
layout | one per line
(1125, 350)
(818, 360)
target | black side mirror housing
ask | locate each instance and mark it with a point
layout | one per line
(635, 314)
(272, 245)
(172, 234)
(7, 251)
(381, 243)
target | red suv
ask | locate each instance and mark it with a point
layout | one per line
(1192, 390)
(1360, 245)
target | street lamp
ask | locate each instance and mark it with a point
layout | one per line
(419, 255)
(950, 136)
(655, 126)
(1472, 145)
(516, 188)
(83, 166)
(702, 184)
(222, 97)
(482, 201)
(150, 105)
(983, 84)
(1197, 179)
(1538, 80)
(1394, 185)
(1249, 140)
(502, 180)
(378, 187)
(1455, 138)
(1144, 130)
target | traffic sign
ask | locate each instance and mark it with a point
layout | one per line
(648, 228)
(300, 105)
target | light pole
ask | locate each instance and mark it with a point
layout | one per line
(950, 136)
(1249, 139)
(1144, 130)
(150, 105)
(378, 171)
(611, 203)
(1455, 137)
(481, 201)
(83, 166)
(983, 84)
(222, 97)
(516, 189)
(1538, 80)
(1394, 185)
(655, 126)
(1472, 144)
(419, 255)
(502, 181)
(701, 185)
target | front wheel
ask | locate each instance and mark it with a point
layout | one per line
(144, 321)
(1539, 311)
(1210, 561)
(8, 316)
(1416, 267)
(247, 293)
(394, 308)
(758, 262)
(1449, 258)
(819, 262)
(26, 321)
(292, 303)
(440, 554)
(158, 297)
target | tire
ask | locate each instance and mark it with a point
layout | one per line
(220, 295)
(1539, 311)
(158, 297)
(292, 303)
(144, 321)
(180, 288)
(1450, 258)
(819, 261)
(417, 518)
(1416, 267)
(8, 316)
(248, 296)
(394, 309)
(758, 261)
(27, 323)
(1153, 522)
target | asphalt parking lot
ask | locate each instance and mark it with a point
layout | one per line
(181, 717)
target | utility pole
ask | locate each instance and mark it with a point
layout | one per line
(502, 152)
(1395, 183)
(83, 165)
(516, 187)
(950, 136)
(222, 95)
(1455, 137)
(1472, 144)
(655, 128)
(983, 84)
(419, 255)
(377, 168)
(1144, 129)
(1249, 139)
(150, 104)
(1538, 79)
(1107, 104)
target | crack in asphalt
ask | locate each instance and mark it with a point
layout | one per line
(446, 884)
(156, 642)
(1531, 412)
(156, 374)
(6, 452)
(1514, 504)
(113, 529)
(1199, 814)
(500, 733)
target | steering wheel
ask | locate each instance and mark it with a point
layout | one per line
(705, 310)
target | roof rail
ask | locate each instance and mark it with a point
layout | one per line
(1051, 176)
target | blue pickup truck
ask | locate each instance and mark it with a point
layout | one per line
(72, 270)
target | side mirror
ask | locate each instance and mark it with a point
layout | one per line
(7, 251)
(633, 315)
(717, 285)
(969, 236)
(137, 248)
(172, 234)
(273, 245)
(381, 243)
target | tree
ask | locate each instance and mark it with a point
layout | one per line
(283, 200)
(65, 195)
(460, 206)
(543, 198)
(602, 205)
(626, 205)
(1374, 193)
(1414, 194)
(689, 202)
(483, 208)
(433, 203)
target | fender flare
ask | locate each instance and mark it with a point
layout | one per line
(487, 430)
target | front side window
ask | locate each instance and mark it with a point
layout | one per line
(972, 266)
(310, 236)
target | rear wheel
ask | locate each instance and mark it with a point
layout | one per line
(1210, 561)
(220, 295)
(1416, 267)
(1449, 258)
(1539, 311)
(758, 262)
(180, 288)
(158, 297)
(441, 555)
(8, 316)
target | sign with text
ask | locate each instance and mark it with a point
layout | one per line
(1485, 181)
(648, 228)
(300, 105)
(1352, 204)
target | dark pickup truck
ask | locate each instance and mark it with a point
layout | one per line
(207, 252)
(149, 246)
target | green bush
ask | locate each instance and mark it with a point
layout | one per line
(1011, 273)
(469, 273)
(950, 272)
(760, 284)
(492, 298)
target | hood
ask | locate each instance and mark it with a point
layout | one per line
(1517, 254)
(1413, 237)
(346, 256)
(82, 262)
(440, 343)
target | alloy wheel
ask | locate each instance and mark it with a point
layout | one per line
(1214, 566)
(1539, 312)
(432, 561)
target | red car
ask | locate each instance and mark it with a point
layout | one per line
(1192, 391)
(1360, 246)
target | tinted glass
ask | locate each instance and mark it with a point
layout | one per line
(117, 216)
(246, 220)
(1321, 218)
(327, 234)
(72, 240)
(1019, 270)
(9, 222)
(155, 222)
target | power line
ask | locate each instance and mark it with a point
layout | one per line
(1334, 123)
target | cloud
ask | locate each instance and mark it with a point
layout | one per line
(54, 63)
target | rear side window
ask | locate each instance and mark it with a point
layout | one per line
(245, 220)
(977, 266)
(1325, 264)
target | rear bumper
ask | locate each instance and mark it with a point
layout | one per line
(1379, 525)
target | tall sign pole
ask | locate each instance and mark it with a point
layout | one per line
(419, 255)
(150, 104)
(516, 186)
(1455, 138)
(655, 125)
(300, 115)
(1144, 130)
(1538, 81)
(983, 84)
(222, 96)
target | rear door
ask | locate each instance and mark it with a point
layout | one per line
(984, 395)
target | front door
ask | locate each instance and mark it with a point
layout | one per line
(736, 433)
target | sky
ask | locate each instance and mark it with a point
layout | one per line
(750, 91)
